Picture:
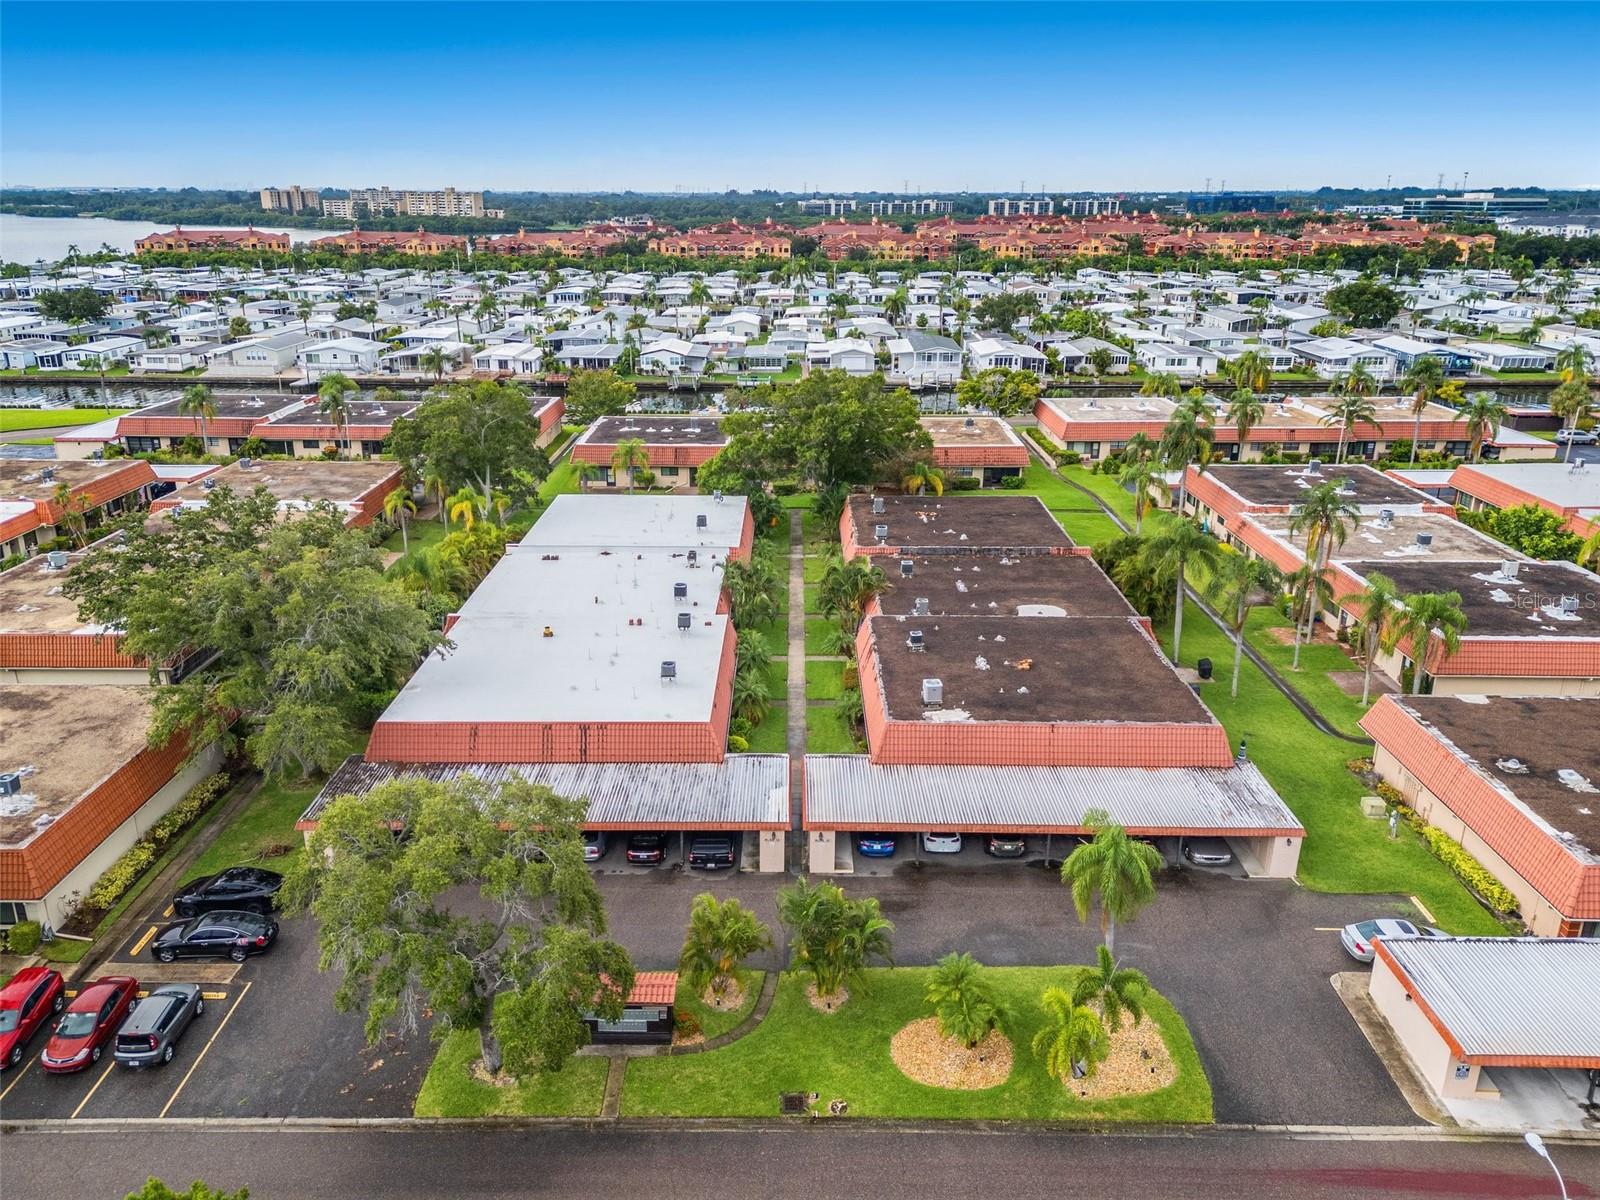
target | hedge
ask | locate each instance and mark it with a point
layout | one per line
(125, 872)
(1477, 877)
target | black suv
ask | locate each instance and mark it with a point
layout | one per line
(247, 889)
(712, 854)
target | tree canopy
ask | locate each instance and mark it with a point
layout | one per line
(592, 394)
(299, 624)
(1364, 303)
(829, 429)
(73, 304)
(1537, 532)
(480, 435)
(522, 965)
(1003, 391)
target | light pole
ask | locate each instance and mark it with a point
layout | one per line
(1536, 1144)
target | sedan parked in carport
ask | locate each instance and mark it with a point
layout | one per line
(875, 845)
(150, 1034)
(1207, 851)
(941, 843)
(1005, 845)
(647, 849)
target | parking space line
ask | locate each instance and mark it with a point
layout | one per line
(1423, 909)
(1327, 928)
(215, 1033)
(17, 1080)
(167, 911)
(214, 995)
(93, 1090)
(142, 942)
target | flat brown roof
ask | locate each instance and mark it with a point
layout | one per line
(1543, 735)
(31, 600)
(657, 431)
(998, 585)
(946, 523)
(307, 479)
(72, 737)
(1011, 669)
(950, 432)
(1273, 486)
(23, 478)
(1528, 606)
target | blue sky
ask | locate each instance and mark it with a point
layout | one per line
(864, 95)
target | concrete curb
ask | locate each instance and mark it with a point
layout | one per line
(684, 1125)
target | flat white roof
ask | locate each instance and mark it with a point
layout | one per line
(1554, 482)
(621, 521)
(613, 620)
(848, 791)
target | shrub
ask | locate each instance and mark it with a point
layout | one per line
(740, 728)
(1393, 795)
(784, 487)
(1011, 483)
(1470, 871)
(1044, 440)
(121, 875)
(24, 937)
(1068, 458)
(1358, 766)
(963, 483)
(737, 744)
(687, 1022)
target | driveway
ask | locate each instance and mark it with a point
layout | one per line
(1247, 963)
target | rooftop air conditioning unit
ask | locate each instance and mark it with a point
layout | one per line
(680, 591)
(47, 475)
(880, 532)
(56, 560)
(669, 670)
(245, 463)
(717, 495)
(685, 620)
(1569, 604)
(1314, 466)
(10, 783)
(694, 558)
(971, 424)
(916, 641)
(700, 521)
(919, 606)
(1424, 539)
(1509, 568)
(932, 692)
(208, 483)
(906, 567)
(1385, 518)
(877, 506)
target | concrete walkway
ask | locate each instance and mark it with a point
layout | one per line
(797, 680)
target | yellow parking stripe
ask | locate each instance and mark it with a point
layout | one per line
(167, 911)
(142, 942)
(1423, 909)
(17, 1080)
(1328, 928)
(198, 1057)
(214, 995)
(93, 1090)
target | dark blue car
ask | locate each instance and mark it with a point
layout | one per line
(875, 845)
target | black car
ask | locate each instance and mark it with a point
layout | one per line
(149, 1036)
(235, 935)
(1005, 845)
(247, 889)
(712, 854)
(647, 849)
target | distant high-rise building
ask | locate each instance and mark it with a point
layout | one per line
(386, 202)
(1089, 206)
(1231, 202)
(1025, 206)
(1477, 204)
(828, 208)
(290, 199)
(918, 206)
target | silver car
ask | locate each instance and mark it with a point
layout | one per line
(1207, 851)
(150, 1033)
(1357, 939)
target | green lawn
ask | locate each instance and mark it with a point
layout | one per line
(562, 480)
(812, 591)
(577, 1090)
(776, 633)
(815, 566)
(772, 735)
(64, 950)
(1087, 528)
(827, 733)
(1103, 486)
(778, 672)
(1040, 481)
(1343, 851)
(420, 535)
(714, 1023)
(824, 680)
(14, 420)
(819, 631)
(259, 834)
(846, 1055)
(39, 441)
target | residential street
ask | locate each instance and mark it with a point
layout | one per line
(807, 1163)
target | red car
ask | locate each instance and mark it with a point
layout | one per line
(90, 1023)
(34, 995)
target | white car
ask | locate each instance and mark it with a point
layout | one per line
(941, 843)
(1578, 437)
(1357, 939)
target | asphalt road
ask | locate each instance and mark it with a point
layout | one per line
(807, 1163)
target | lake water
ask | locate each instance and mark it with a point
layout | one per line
(26, 239)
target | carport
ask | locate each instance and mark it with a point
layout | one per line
(744, 793)
(1503, 1030)
(847, 793)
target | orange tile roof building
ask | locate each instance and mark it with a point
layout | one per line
(82, 786)
(31, 509)
(677, 447)
(187, 241)
(1515, 780)
(983, 448)
(43, 641)
(367, 241)
(727, 241)
(355, 488)
(1569, 490)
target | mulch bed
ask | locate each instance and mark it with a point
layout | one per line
(925, 1055)
(826, 1004)
(729, 1001)
(1138, 1063)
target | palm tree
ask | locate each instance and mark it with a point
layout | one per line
(397, 505)
(198, 402)
(1325, 518)
(333, 401)
(1187, 439)
(699, 293)
(464, 503)
(722, 934)
(1483, 414)
(1589, 553)
(894, 305)
(1114, 990)
(847, 587)
(630, 456)
(1422, 617)
(751, 694)
(72, 506)
(1243, 583)
(435, 359)
(488, 306)
(1114, 867)
(1348, 411)
(1251, 370)
(1177, 544)
(1073, 1040)
(1378, 605)
(1572, 362)
(436, 485)
(1139, 476)
(1162, 383)
(753, 585)
(304, 309)
(831, 935)
(921, 476)
(1245, 410)
(1423, 381)
(1570, 401)
(962, 999)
